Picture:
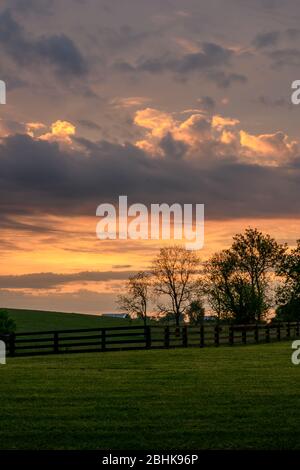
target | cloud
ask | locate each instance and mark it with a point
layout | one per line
(8, 127)
(268, 39)
(212, 55)
(216, 135)
(52, 280)
(158, 122)
(33, 127)
(89, 124)
(122, 38)
(288, 57)
(172, 148)
(276, 103)
(61, 131)
(130, 102)
(210, 60)
(57, 51)
(277, 148)
(180, 159)
(225, 80)
(121, 266)
(207, 103)
(272, 38)
(37, 7)
(219, 122)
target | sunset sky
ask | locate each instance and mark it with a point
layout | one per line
(163, 101)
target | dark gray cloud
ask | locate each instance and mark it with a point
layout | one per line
(58, 51)
(37, 177)
(37, 7)
(225, 80)
(121, 38)
(53, 280)
(288, 57)
(207, 103)
(210, 61)
(261, 6)
(121, 266)
(89, 124)
(9, 223)
(172, 148)
(272, 38)
(268, 39)
(275, 102)
(292, 33)
(212, 55)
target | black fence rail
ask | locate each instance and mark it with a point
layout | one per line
(140, 337)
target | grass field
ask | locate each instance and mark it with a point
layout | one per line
(35, 320)
(229, 398)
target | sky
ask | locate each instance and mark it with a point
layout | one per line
(166, 101)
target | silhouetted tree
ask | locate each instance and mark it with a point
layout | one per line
(174, 276)
(288, 293)
(7, 324)
(137, 296)
(237, 280)
(195, 312)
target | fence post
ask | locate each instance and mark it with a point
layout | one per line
(148, 336)
(267, 329)
(288, 330)
(244, 335)
(12, 344)
(167, 337)
(231, 335)
(184, 337)
(55, 343)
(202, 336)
(217, 336)
(278, 332)
(256, 333)
(103, 339)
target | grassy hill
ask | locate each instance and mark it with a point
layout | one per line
(227, 398)
(35, 320)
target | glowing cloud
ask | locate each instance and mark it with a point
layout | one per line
(219, 122)
(130, 102)
(33, 127)
(274, 148)
(61, 131)
(215, 136)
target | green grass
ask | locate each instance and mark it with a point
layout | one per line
(243, 397)
(35, 320)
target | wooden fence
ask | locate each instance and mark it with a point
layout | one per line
(140, 337)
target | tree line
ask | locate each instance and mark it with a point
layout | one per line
(238, 285)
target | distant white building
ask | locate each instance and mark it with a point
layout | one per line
(116, 315)
(209, 318)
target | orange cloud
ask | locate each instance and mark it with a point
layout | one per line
(61, 131)
(201, 132)
(219, 122)
(228, 137)
(158, 122)
(33, 127)
(274, 148)
(130, 102)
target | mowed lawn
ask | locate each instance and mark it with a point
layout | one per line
(35, 320)
(242, 397)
